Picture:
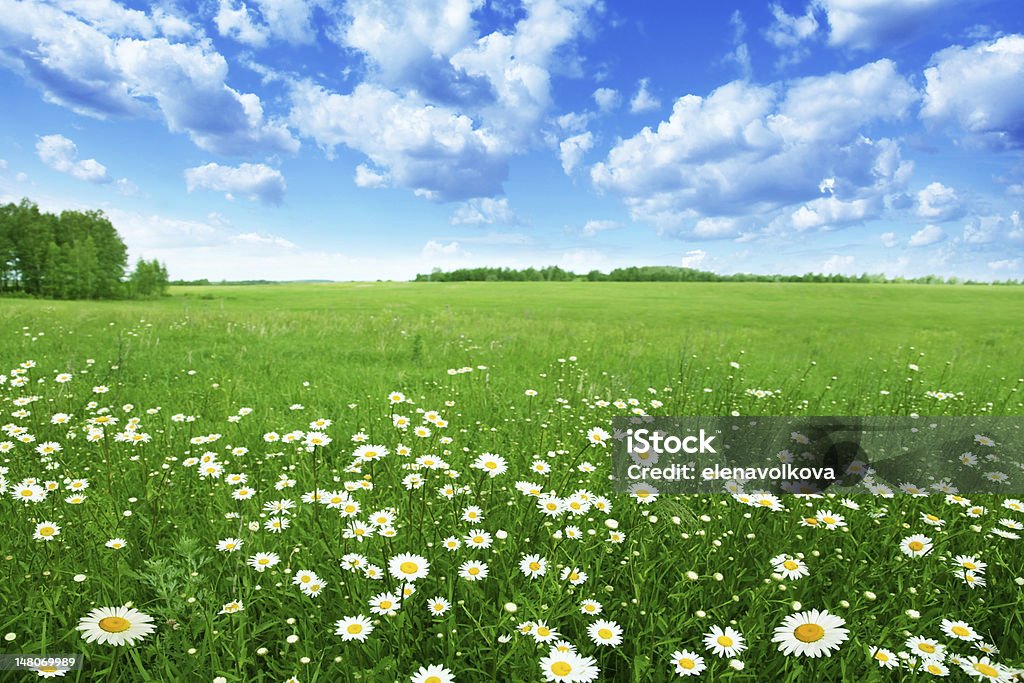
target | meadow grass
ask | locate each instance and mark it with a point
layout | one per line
(194, 364)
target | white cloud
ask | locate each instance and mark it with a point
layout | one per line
(287, 20)
(1005, 264)
(264, 240)
(368, 178)
(838, 264)
(830, 211)
(61, 154)
(889, 239)
(938, 203)
(740, 54)
(435, 250)
(716, 227)
(105, 73)
(643, 100)
(607, 99)
(980, 91)
(256, 181)
(747, 149)
(594, 226)
(236, 22)
(422, 147)
(865, 24)
(3, 164)
(788, 31)
(571, 150)
(927, 236)
(693, 258)
(485, 211)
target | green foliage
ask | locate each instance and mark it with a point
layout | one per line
(672, 274)
(76, 255)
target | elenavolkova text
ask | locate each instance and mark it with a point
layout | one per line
(784, 472)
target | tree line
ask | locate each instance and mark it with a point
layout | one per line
(671, 274)
(71, 255)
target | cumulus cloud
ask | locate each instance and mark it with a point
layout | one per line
(435, 249)
(889, 239)
(747, 149)
(366, 177)
(286, 20)
(938, 203)
(256, 181)
(643, 100)
(607, 99)
(927, 236)
(571, 150)
(693, 258)
(61, 154)
(791, 34)
(979, 92)
(594, 226)
(866, 24)
(1005, 264)
(122, 72)
(429, 148)
(485, 211)
(838, 264)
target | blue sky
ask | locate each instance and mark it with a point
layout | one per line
(288, 139)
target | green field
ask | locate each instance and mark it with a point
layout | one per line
(470, 352)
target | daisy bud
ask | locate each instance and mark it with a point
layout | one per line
(511, 607)
(611, 524)
(735, 663)
(869, 595)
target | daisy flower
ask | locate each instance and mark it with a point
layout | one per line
(115, 626)
(687, 663)
(439, 606)
(533, 566)
(385, 604)
(886, 658)
(810, 634)
(408, 567)
(543, 633)
(232, 607)
(433, 674)
(604, 632)
(790, 567)
(46, 531)
(353, 628)
(574, 576)
(263, 561)
(926, 648)
(568, 667)
(473, 570)
(590, 607)
(726, 642)
(229, 545)
(960, 630)
(916, 545)
(985, 669)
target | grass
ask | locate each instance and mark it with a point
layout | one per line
(340, 350)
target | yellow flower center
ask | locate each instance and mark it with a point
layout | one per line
(355, 628)
(970, 565)
(916, 546)
(433, 679)
(986, 670)
(263, 560)
(605, 634)
(828, 520)
(574, 577)
(926, 647)
(960, 631)
(933, 669)
(725, 641)
(561, 668)
(881, 656)
(790, 565)
(543, 631)
(811, 520)
(409, 567)
(114, 624)
(687, 663)
(385, 604)
(535, 566)
(46, 531)
(474, 571)
(809, 633)
(491, 465)
(478, 539)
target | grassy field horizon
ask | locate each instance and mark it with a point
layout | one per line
(213, 459)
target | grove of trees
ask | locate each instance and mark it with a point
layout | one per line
(73, 255)
(669, 274)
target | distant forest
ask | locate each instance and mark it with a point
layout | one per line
(74, 255)
(672, 274)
